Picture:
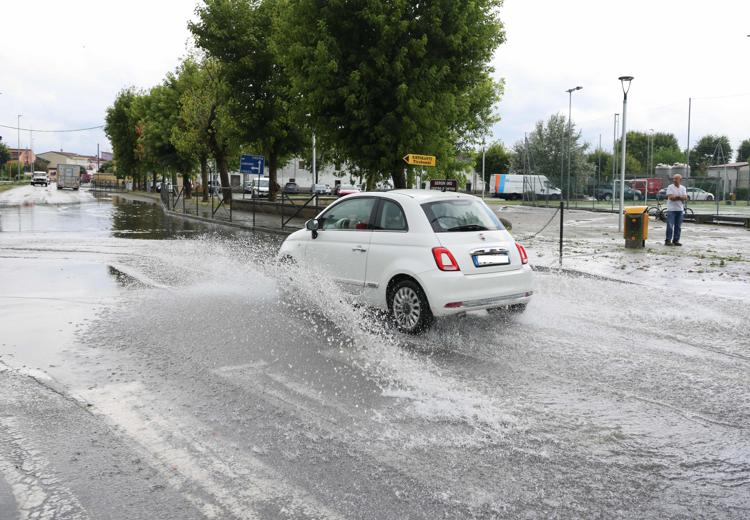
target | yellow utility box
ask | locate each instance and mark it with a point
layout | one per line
(636, 226)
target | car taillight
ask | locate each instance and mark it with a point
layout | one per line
(522, 252)
(444, 259)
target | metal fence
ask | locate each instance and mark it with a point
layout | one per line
(707, 196)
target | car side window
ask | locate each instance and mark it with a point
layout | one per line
(391, 217)
(352, 215)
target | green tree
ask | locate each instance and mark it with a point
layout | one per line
(497, 159)
(4, 154)
(709, 150)
(107, 167)
(668, 156)
(542, 153)
(190, 134)
(160, 114)
(743, 152)
(383, 79)
(206, 125)
(122, 128)
(238, 34)
(601, 162)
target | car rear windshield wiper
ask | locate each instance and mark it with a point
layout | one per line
(468, 227)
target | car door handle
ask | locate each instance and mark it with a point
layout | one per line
(359, 248)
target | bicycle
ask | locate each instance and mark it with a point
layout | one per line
(660, 211)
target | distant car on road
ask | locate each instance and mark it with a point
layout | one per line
(699, 194)
(40, 178)
(162, 185)
(416, 254)
(342, 190)
(291, 188)
(605, 193)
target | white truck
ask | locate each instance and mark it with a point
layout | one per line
(39, 178)
(508, 186)
(68, 176)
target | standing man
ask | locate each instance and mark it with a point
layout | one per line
(676, 195)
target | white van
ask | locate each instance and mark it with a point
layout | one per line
(506, 186)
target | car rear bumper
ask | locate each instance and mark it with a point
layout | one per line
(455, 293)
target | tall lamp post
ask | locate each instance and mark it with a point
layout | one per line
(483, 181)
(567, 148)
(18, 143)
(625, 82)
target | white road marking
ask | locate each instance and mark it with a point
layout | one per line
(234, 484)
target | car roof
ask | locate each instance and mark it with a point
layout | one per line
(419, 196)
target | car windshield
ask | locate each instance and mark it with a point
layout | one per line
(454, 215)
(263, 183)
(347, 187)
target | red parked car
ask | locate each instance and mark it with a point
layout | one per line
(342, 190)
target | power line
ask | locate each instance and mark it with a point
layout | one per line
(52, 131)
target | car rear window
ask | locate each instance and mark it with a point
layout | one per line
(456, 215)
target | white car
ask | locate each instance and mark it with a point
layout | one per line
(699, 194)
(417, 254)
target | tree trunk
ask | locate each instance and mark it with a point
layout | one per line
(273, 185)
(153, 185)
(221, 163)
(399, 179)
(186, 185)
(204, 177)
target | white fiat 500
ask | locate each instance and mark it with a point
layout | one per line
(417, 254)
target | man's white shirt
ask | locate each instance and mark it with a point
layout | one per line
(675, 205)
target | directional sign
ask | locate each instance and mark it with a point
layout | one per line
(444, 184)
(253, 164)
(420, 160)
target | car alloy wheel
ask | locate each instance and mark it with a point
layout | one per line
(409, 307)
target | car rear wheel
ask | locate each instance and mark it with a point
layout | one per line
(607, 197)
(409, 308)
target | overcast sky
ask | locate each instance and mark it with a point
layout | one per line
(62, 63)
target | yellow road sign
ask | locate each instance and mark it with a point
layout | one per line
(420, 160)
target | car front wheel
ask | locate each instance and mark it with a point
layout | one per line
(409, 308)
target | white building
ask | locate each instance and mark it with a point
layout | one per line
(733, 176)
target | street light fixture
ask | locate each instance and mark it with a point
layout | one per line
(625, 83)
(567, 148)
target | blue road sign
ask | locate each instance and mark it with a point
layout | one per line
(252, 164)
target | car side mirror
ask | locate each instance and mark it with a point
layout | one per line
(313, 225)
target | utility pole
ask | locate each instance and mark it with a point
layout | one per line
(625, 82)
(483, 154)
(567, 149)
(18, 137)
(687, 154)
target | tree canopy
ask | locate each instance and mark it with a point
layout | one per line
(710, 149)
(497, 159)
(546, 148)
(383, 79)
(743, 152)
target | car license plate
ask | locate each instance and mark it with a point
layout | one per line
(485, 260)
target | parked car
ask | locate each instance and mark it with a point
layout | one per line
(39, 178)
(320, 189)
(342, 190)
(699, 194)
(258, 187)
(291, 188)
(605, 193)
(416, 254)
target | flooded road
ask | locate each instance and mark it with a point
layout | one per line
(150, 368)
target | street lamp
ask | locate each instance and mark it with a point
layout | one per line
(18, 143)
(483, 179)
(562, 159)
(625, 82)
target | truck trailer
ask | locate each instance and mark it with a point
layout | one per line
(68, 176)
(508, 186)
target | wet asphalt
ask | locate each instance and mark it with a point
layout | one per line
(154, 368)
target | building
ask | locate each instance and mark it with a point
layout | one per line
(27, 156)
(732, 177)
(88, 162)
